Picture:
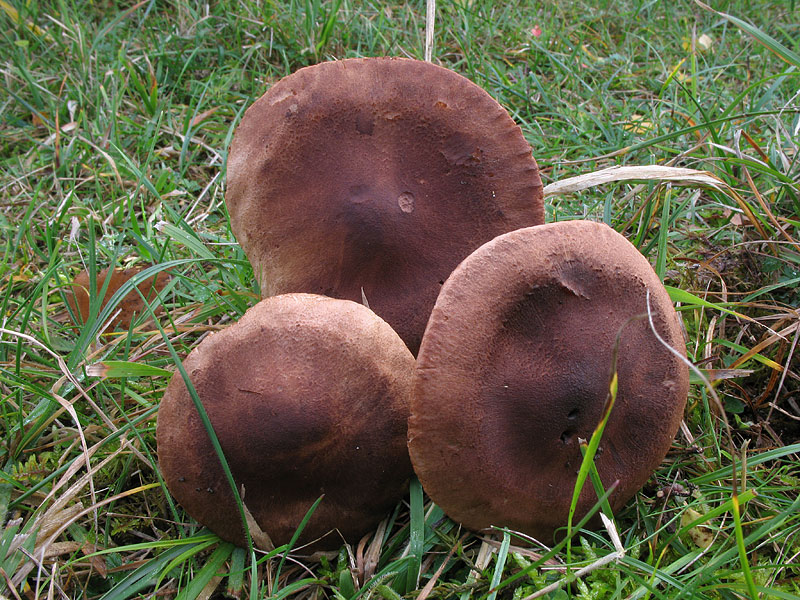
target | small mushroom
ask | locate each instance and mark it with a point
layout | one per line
(376, 176)
(514, 371)
(129, 307)
(308, 396)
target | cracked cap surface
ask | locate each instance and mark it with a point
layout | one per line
(515, 367)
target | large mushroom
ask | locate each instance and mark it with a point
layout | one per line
(308, 396)
(376, 176)
(515, 368)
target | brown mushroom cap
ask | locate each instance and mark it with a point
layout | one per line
(308, 396)
(515, 367)
(379, 174)
(129, 307)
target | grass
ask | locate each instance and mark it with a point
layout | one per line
(116, 118)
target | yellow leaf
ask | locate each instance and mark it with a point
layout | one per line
(10, 11)
(36, 118)
(13, 14)
(638, 124)
(701, 535)
(20, 278)
(702, 43)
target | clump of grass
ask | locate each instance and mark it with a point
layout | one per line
(115, 125)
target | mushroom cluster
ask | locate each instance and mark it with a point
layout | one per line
(399, 187)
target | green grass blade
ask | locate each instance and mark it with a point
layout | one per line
(211, 567)
(146, 575)
(769, 42)
(689, 299)
(214, 441)
(761, 458)
(663, 236)
(327, 29)
(124, 368)
(236, 576)
(744, 561)
(293, 540)
(500, 565)
(597, 483)
(191, 241)
(591, 449)
(296, 586)
(789, 283)
(416, 538)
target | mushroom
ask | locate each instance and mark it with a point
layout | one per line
(514, 371)
(376, 176)
(129, 307)
(308, 397)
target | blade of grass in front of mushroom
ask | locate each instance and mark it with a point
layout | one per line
(214, 442)
(587, 463)
(416, 536)
(597, 482)
(293, 541)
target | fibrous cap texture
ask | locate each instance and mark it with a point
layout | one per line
(515, 367)
(376, 176)
(309, 397)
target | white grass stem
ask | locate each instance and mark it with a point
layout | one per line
(430, 18)
(619, 553)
